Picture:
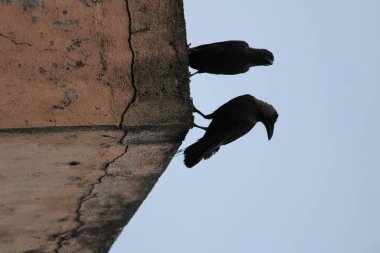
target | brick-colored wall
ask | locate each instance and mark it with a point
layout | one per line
(94, 102)
(64, 63)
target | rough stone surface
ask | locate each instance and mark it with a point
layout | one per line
(71, 71)
(162, 96)
(42, 175)
(64, 63)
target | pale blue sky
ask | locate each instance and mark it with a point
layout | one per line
(315, 187)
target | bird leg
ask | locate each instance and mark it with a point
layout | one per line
(193, 73)
(200, 113)
(201, 127)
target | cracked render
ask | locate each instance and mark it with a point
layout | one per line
(91, 114)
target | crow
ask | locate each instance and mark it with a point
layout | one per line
(230, 122)
(227, 57)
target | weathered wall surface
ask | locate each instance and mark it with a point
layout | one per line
(64, 63)
(42, 177)
(70, 73)
(155, 27)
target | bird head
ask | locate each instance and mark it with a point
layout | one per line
(268, 57)
(261, 57)
(268, 117)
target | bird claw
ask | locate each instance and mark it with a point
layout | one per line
(201, 127)
(202, 114)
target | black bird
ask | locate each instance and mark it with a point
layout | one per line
(228, 57)
(230, 122)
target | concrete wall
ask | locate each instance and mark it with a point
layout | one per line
(64, 63)
(94, 103)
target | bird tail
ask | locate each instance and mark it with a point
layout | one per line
(204, 148)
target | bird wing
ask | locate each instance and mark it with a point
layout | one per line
(204, 148)
(223, 44)
(240, 129)
(227, 131)
(215, 137)
(219, 58)
(232, 107)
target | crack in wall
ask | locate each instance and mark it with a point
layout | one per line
(15, 42)
(68, 235)
(132, 64)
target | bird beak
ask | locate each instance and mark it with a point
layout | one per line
(269, 127)
(270, 62)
